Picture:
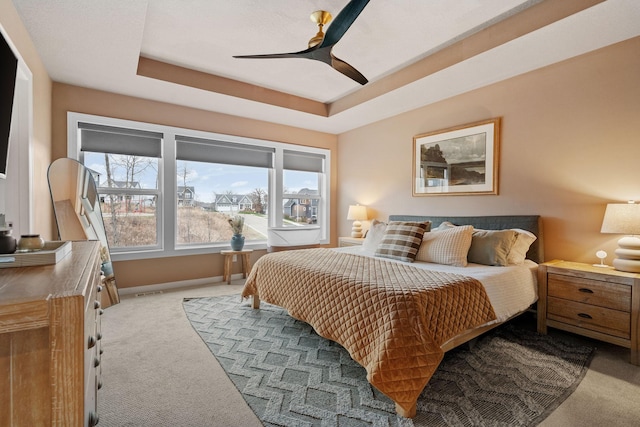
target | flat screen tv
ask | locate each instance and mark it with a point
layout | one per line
(8, 71)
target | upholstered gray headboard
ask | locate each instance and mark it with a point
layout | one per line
(532, 223)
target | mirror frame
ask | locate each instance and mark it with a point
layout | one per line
(76, 208)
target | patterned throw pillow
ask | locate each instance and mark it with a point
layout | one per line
(402, 240)
(447, 246)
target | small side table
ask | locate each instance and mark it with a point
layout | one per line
(595, 302)
(350, 241)
(228, 259)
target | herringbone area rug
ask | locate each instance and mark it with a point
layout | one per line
(290, 376)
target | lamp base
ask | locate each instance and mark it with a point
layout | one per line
(356, 230)
(628, 265)
(628, 255)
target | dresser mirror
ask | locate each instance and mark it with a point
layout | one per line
(76, 205)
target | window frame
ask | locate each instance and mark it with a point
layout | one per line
(168, 184)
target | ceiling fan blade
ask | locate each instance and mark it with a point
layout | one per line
(343, 21)
(301, 54)
(268, 55)
(348, 70)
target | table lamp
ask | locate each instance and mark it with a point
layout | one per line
(624, 218)
(357, 213)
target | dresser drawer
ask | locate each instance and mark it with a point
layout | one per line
(603, 294)
(92, 349)
(91, 330)
(600, 319)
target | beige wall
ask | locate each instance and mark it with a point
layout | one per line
(570, 145)
(41, 134)
(171, 269)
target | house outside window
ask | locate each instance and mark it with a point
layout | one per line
(213, 177)
(186, 196)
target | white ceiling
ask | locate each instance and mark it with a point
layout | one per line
(97, 44)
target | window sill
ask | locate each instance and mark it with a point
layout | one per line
(159, 253)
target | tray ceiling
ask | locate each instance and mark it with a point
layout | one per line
(413, 52)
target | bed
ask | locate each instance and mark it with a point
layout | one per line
(418, 287)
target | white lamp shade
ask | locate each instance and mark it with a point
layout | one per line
(357, 213)
(621, 218)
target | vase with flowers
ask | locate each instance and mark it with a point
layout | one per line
(237, 225)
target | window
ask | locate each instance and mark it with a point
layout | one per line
(238, 177)
(124, 164)
(302, 181)
(169, 191)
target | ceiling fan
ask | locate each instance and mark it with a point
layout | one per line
(321, 44)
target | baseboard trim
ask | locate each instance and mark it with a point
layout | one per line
(147, 289)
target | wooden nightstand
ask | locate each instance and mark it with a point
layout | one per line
(350, 241)
(596, 302)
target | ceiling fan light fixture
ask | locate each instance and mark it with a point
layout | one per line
(320, 17)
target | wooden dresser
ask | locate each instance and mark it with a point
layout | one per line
(596, 302)
(50, 341)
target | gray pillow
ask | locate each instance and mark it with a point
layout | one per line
(491, 247)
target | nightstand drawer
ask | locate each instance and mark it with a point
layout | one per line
(350, 241)
(612, 322)
(603, 294)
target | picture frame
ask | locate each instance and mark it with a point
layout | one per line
(461, 160)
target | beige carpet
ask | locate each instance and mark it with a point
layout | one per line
(156, 371)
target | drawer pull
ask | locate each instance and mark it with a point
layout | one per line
(101, 312)
(585, 290)
(99, 288)
(92, 341)
(96, 362)
(99, 384)
(99, 336)
(96, 304)
(94, 419)
(584, 316)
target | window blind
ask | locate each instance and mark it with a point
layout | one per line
(230, 153)
(300, 161)
(115, 140)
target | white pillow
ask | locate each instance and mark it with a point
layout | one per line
(518, 252)
(443, 226)
(448, 246)
(374, 236)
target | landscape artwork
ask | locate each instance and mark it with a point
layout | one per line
(457, 161)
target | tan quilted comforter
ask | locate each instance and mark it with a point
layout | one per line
(391, 317)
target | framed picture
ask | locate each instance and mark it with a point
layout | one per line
(457, 161)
